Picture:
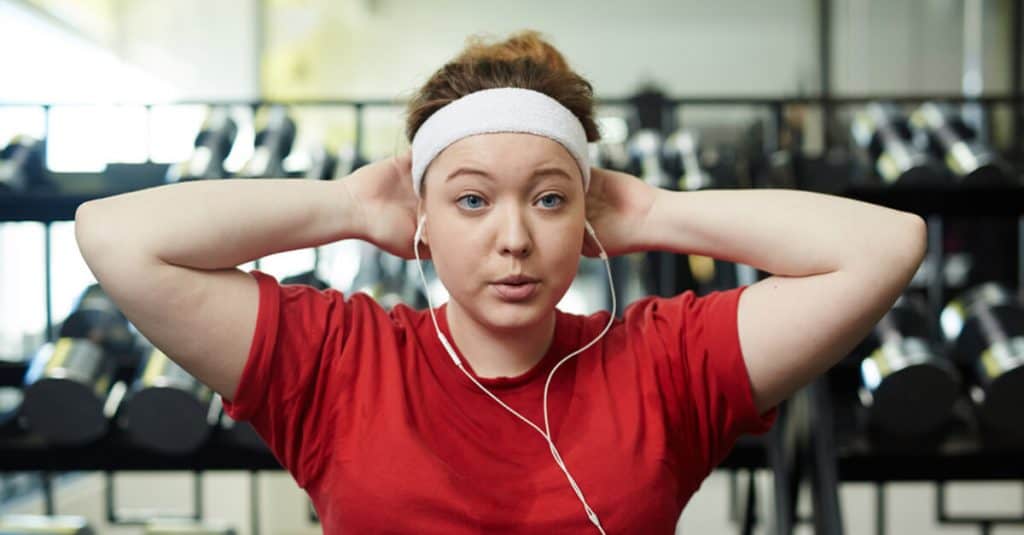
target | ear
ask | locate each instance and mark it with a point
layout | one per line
(423, 232)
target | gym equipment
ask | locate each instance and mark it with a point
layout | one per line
(240, 433)
(167, 410)
(679, 158)
(21, 165)
(274, 139)
(213, 144)
(652, 109)
(644, 150)
(308, 278)
(66, 387)
(882, 132)
(779, 170)
(938, 129)
(188, 527)
(348, 160)
(907, 385)
(44, 525)
(614, 156)
(397, 281)
(985, 326)
(323, 165)
(68, 382)
(657, 271)
(10, 403)
(97, 318)
(389, 279)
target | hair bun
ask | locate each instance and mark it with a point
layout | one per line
(525, 60)
(522, 45)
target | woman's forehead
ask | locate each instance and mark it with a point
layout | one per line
(505, 148)
(505, 155)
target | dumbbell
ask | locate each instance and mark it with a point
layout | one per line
(653, 271)
(985, 327)
(96, 317)
(679, 159)
(66, 387)
(21, 165)
(396, 284)
(907, 384)
(938, 129)
(308, 278)
(381, 276)
(166, 409)
(323, 165)
(242, 433)
(10, 404)
(239, 433)
(274, 139)
(882, 132)
(645, 160)
(68, 381)
(44, 525)
(212, 145)
(614, 156)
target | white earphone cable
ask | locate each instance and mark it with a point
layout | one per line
(546, 433)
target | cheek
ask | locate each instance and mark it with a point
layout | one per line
(564, 256)
(451, 248)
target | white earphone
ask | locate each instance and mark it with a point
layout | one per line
(547, 428)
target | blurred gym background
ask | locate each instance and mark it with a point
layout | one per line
(914, 104)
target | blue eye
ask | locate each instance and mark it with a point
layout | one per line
(473, 206)
(557, 198)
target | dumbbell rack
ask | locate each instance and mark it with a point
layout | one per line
(806, 442)
(833, 447)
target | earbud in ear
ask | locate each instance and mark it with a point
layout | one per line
(419, 231)
(593, 234)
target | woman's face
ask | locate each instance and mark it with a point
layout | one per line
(504, 204)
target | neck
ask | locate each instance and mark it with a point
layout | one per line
(493, 353)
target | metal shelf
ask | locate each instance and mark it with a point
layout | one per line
(974, 201)
(28, 452)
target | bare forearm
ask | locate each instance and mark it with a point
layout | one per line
(216, 224)
(783, 232)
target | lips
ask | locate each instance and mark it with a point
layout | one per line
(515, 292)
(515, 287)
(516, 279)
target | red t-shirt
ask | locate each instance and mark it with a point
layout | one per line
(367, 411)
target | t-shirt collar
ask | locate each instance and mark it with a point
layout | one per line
(565, 341)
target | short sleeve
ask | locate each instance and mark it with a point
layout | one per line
(292, 369)
(703, 372)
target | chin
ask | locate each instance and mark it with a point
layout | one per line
(503, 315)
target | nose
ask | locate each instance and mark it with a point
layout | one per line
(514, 237)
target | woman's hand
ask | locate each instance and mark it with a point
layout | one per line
(617, 208)
(387, 204)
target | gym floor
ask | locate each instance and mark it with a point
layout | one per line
(911, 506)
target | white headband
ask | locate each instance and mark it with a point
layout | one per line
(505, 109)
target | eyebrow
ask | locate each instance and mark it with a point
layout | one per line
(556, 171)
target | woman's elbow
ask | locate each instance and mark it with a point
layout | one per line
(918, 240)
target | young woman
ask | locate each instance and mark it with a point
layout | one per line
(471, 417)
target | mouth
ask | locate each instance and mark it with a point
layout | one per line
(516, 280)
(516, 288)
